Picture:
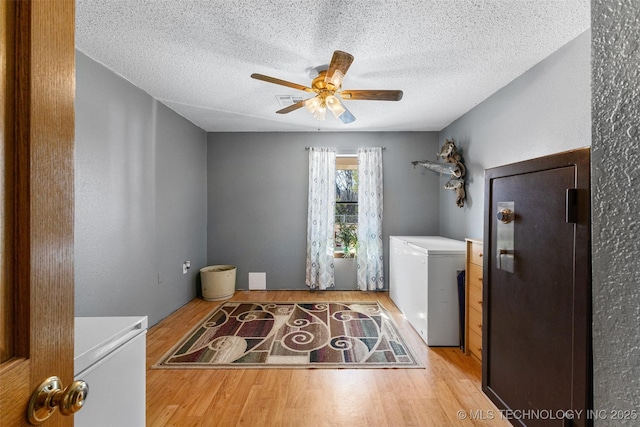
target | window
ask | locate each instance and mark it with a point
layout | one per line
(346, 219)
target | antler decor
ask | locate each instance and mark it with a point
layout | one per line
(453, 166)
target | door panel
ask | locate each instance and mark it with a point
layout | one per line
(38, 76)
(536, 324)
(7, 12)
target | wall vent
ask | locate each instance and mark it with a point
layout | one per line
(257, 281)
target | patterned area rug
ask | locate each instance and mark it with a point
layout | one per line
(293, 335)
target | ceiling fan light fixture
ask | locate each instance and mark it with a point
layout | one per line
(320, 113)
(334, 104)
(312, 104)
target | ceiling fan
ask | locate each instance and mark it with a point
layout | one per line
(328, 89)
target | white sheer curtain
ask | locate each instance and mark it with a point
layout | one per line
(321, 217)
(370, 252)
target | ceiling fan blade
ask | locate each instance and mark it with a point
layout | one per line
(372, 95)
(280, 82)
(347, 117)
(292, 107)
(340, 61)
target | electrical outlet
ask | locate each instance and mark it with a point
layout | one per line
(186, 266)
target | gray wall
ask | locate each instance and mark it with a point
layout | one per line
(615, 207)
(546, 110)
(257, 197)
(140, 199)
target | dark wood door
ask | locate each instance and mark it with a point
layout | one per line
(536, 349)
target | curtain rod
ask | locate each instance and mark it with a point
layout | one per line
(384, 148)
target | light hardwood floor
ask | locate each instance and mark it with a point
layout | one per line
(433, 396)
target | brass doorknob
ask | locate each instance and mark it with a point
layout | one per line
(505, 215)
(49, 396)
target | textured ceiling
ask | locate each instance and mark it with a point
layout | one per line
(446, 55)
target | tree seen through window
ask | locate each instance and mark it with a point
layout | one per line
(346, 212)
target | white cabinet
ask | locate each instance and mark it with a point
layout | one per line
(423, 284)
(397, 264)
(110, 355)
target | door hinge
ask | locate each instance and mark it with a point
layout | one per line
(571, 206)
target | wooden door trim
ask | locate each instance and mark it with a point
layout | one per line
(51, 210)
(582, 354)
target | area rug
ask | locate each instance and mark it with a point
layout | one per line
(293, 335)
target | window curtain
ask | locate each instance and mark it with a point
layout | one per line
(370, 261)
(321, 217)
